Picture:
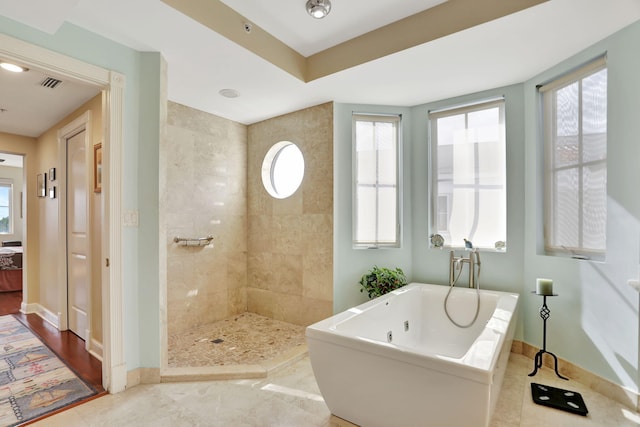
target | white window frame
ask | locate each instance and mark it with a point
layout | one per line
(434, 211)
(376, 243)
(548, 92)
(6, 182)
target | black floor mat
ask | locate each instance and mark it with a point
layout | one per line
(558, 398)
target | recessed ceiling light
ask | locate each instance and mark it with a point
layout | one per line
(13, 67)
(229, 93)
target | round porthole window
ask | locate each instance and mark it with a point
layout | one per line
(282, 169)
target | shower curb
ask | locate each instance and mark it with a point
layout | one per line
(235, 372)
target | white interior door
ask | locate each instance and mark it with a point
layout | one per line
(78, 265)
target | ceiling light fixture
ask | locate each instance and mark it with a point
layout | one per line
(13, 67)
(318, 8)
(229, 93)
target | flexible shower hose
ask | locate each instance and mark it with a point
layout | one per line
(451, 286)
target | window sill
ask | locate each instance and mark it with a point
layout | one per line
(591, 257)
(462, 248)
(364, 247)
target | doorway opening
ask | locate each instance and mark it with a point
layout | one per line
(114, 373)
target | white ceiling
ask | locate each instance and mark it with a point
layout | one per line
(28, 108)
(201, 62)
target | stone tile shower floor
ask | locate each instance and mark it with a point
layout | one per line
(247, 339)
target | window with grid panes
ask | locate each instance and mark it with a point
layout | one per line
(575, 130)
(376, 218)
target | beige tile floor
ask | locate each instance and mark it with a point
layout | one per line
(291, 398)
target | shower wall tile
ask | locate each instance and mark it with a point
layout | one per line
(233, 233)
(315, 310)
(261, 272)
(286, 234)
(314, 234)
(288, 308)
(289, 206)
(318, 272)
(269, 256)
(237, 270)
(290, 262)
(206, 194)
(237, 300)
(260, 301)
(288, 273)
(260, 234)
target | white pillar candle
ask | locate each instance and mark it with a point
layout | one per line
(544, 287)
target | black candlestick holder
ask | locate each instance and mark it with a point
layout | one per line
(544, 314)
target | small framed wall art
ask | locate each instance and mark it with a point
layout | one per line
(41, 185)
(97, 168)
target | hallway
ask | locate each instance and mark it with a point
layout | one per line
(66, 344)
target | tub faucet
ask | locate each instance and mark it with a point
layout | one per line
(457, 263)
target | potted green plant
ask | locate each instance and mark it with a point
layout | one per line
(380, 280)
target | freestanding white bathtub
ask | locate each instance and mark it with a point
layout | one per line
(399, 361)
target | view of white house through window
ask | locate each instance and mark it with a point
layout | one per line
(575, 117)
(469, 193)
(282, 169)
(376, 189)
(5, 207)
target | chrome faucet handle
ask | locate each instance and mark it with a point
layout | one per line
(437, 240)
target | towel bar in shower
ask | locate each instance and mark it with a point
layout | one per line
(193, 241)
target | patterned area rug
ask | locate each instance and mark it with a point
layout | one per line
(33, 381)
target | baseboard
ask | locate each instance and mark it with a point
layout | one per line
(118, 380)
(95, 349)
(47, 315)
(143, 376)
(598, 384)
(28, 308)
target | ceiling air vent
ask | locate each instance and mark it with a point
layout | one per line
(50, 82)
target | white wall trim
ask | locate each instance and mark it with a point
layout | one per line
(114, 373)
(48, 60)
(114, 365)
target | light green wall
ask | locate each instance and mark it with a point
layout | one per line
(141, 124)
(500, 271)
(148, 163)
(594, 321)
(350, 264)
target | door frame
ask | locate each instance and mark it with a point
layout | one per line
(114, 370)
(81, 123)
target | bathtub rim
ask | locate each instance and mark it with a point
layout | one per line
(325, 330)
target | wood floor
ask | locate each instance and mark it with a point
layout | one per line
(66, 344)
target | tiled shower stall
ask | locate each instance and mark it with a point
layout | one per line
(272, 257)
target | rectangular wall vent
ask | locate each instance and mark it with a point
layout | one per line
(50, 82)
